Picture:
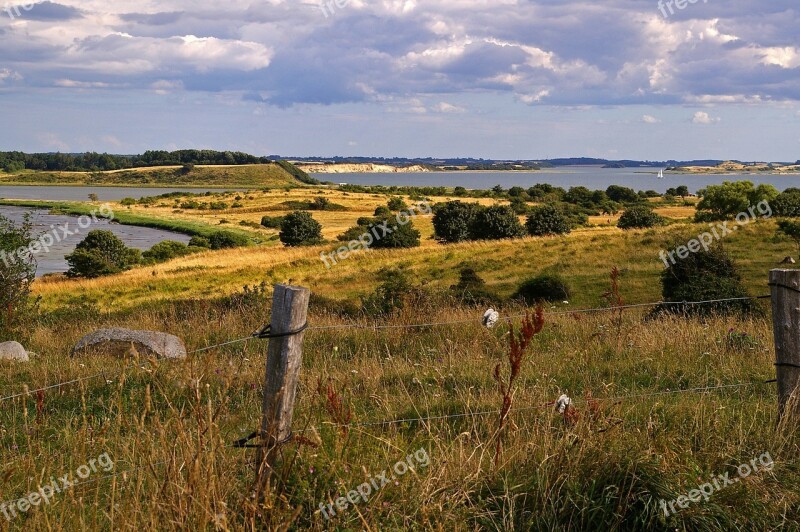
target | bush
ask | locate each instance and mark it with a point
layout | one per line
(391, 294)
(101, 253)
(272, 222)
(300, 229)
(547, 220)
(227, 239)
(452, 220)
(787, 203)
(382, 210)
(639, 217)
(17, 273)
(494, 223)
(14, 167)
(543, 288)
(703, 276)
(471, 288)
(402, 236)
(397, 204)
(166, 250)
(199, 242)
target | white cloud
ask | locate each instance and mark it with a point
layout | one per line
(444, 107)
(701, 117)
(649, 119)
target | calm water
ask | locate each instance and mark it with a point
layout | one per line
(53, 261)
(592, 177)
(82, 193)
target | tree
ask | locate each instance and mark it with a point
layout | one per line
(622, 194)
(300, 229)
(101, 253)
(401, 236)
(93, 197)
(17, 272)
(725, 201)
(547, 220)
(227, 239)
(452, 220)
(397, 204)
(272, 222)
(787, 203)
(790, 229)
(682, 191)
(639, 217)
(382, 210)
(496, 222)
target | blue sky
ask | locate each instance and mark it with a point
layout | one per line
(483, 78)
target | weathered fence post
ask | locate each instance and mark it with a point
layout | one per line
(785, 286)
(284, 359)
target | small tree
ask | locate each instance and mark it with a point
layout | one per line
(622, 194)
(452, 220)
(682, 191)
(300, 229)
(496, 222)
(397, 204)
(787, 203)
(17, 273)
(547, 220)
(731, 198)
(703, 276)
(790, 229)
(272, 222)
(402, 236)
(101, 253)
(639, 217)
(93, 197)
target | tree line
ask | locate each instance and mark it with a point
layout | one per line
(16, 161)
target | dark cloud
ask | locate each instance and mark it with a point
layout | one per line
(44, 11)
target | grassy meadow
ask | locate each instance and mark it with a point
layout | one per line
(169, 425)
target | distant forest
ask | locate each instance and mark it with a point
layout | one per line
(15, 161)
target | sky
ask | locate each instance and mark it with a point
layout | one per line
(500, 79)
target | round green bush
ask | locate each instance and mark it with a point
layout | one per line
(547, 220)
(639, 217)
(543, 288)
(300, 229)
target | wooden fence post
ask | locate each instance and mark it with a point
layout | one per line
(785, 286)
(284, 359)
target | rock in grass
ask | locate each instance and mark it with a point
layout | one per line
(13, 351)
(121, 342)
(788, 260)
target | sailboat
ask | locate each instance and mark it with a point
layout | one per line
(661, 174)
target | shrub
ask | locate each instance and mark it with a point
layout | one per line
(127, 202)
(787, 203)
(199, 242)
(101, 253)
(397, 204)
(496, 222)
(790, 229)
(166, 250)
(639, 217)
(382, 210)
(452, 220)
(218, 206)
(14, 167)
(272, 222)
(227, 239)
(471, 288)
(547, 220)
(402, 235)
(17, 273)
(703, 276)
(300, 229)
(391, 294)
(543, 288)
(519, 206)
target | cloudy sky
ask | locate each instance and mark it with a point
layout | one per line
(485, 78)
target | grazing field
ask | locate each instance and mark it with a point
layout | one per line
(169, 426)
(251, 175)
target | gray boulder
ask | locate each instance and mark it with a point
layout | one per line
(124, 342)
(13, 351)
